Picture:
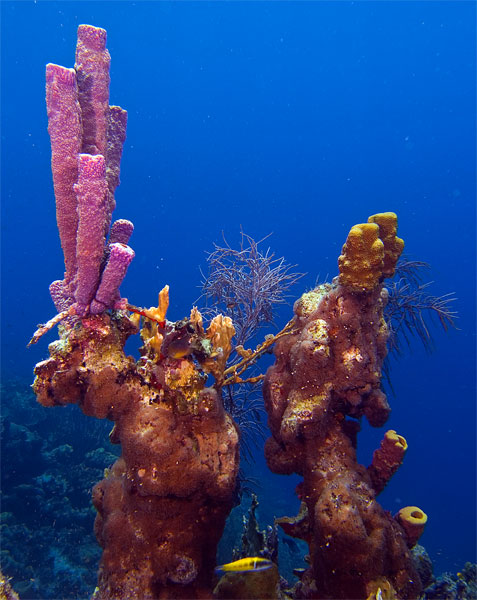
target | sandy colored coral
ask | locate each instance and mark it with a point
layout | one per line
(381, 589)
(6, 590)
(196, 319)
(220, 333)
(151, 332)
(393, 245)
(309, 301)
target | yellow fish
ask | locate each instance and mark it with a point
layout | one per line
(252, 563)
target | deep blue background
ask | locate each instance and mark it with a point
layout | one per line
(296, 118)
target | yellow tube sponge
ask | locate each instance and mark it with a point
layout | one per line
(387, 459)
(362, 259)
(412, 519)
(393, 245)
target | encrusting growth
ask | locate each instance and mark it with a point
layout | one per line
(162, 507)
(326, 375)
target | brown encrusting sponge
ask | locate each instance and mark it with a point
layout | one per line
(326, 375)
(162, 506)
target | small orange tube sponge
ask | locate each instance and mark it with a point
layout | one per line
(387, 459)
(362, 259)
(413, 520)
(393, 245)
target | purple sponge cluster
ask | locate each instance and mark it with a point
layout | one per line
(87, 137)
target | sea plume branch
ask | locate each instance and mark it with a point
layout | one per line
(411, 308)
(246, 284)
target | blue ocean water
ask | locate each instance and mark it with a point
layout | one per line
(297, 118)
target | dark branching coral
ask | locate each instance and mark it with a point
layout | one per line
(246, 284)
(244, 403)
(411, 310)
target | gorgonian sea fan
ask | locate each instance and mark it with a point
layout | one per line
(410, 309)
(246, 284)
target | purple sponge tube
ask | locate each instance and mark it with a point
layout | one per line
(121, 231)
(61, 295)
(120, 257)
(91, 193)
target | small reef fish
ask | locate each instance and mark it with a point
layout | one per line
(377, 595)
(179, 347)
(253, 563)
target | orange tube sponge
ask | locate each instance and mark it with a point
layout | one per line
(362, 259)
(393, 245)
(413, 520)
(387, 459)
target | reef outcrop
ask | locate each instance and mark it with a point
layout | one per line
(326, 376)
(163, 504)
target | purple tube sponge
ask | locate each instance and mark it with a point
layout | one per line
(92, 72)
(87, 137)
(120, 257)
(121, 231)
(91, 192)
(60, 294)
(117, 122)
(64, 127)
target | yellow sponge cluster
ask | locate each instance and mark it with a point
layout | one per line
(362, 258)
(370, 253)
(393, 245)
